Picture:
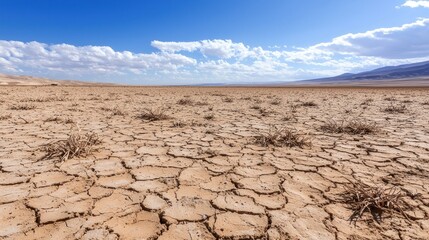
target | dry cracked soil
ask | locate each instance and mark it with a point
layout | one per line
(198, 174)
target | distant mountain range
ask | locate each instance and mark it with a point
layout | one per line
(415, 74)
(403, 73)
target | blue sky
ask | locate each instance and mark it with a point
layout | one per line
(200, 41)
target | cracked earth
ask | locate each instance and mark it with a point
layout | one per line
(199, 174)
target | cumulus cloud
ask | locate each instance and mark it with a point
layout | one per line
(406, 41)
(416, 4)
(209, 48)
(64, 57)
(221, 60)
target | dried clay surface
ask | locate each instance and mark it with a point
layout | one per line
(183, 163)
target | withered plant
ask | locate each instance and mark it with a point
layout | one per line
(154, 115)
(185, 101)
(308, 104)
(282, 137)
(23, 107)
(396, 108)
(354, 127)
(5, 117)
(76, 145)
(375, 200)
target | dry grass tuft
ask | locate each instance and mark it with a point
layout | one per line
(255, 106)
(5, 117)
(228, 100)
(375, 200)
(395, 108)
(23, 107)
(201, 103)
(309, 104)
(282, 137)
(276, 102)
(354, 127)
(209, 117)
(46, 99)
(154, 115)
(77, 145)
(179, 124)
(185, 101)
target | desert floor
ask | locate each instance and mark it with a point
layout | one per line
(200, 174)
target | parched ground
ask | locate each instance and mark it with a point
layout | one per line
(200, 174)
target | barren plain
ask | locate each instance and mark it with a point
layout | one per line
(206, 163)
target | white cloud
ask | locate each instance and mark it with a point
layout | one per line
(416, 4)
(64, 57)
(406, 41)
(220, 60)
(210, 48)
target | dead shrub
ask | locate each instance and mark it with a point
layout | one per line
(77, 145)
(154, 115)
(375, 200)
(282, 137)
(354, 127)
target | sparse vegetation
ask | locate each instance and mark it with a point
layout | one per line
(209, 117)
(276, 102)
(256, 107)
(367, 101)
(265, 112)
(375, 200)
(282, 137)
(45, 99)
(154, 115)
(228, 100)
(179, 124)
(185, 101)
(23, 107)
(77, 145)
(59, 120)
(289, 117)
(5, 117)
(309, 104)
(398, 108)
(201, 103)
(356, 127)
(391, 99)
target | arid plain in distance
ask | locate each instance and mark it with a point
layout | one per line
(213, 162)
